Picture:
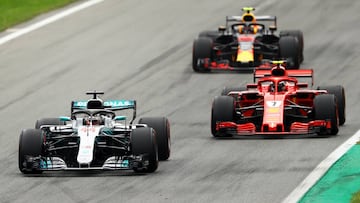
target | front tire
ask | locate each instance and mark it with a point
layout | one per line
(143, 142)
(202, 48)
(30, 144)
(223, 109)
(325, 109)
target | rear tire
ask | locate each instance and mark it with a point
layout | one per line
(143, 142)
(48, 121)
(202, 48)
(299, 36)
(290, 50)
(223, 109)
(227, 90)
(212, 34)
(325, 109)
(30, 144)
(339, 93)
(161, 126)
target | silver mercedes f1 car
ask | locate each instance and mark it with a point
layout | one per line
(95, 137)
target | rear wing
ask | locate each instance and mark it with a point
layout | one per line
(258, 18)
(112, 105)
(302, 73)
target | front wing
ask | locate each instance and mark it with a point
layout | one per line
(206, 63)
(112, 163)
(296, 128)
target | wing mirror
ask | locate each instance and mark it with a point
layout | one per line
(222, 28)
(272, 28)
(251, 86)
(302, 85)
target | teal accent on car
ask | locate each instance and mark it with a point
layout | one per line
(79, 104)
(120, 118)
(64, 118)
(125, 164)
(119, 103)
(106, 131)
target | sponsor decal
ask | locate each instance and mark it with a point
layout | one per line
(119, 103)
(80, 104)
(273, 103)
(273, 110)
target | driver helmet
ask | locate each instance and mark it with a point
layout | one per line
(248, 17)
(91, 120)
(271, 87)
(282, 86)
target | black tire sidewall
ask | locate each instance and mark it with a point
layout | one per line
(161, 125)
(339, 93)
(296, 33)
(30, 144)
(289, 49)
(202, 48)
(223, 109)
(325, 108)
(143, 141)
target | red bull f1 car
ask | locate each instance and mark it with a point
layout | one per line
(244, 42)
(278, 104)
(95, 137)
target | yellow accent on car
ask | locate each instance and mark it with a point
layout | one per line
(245, 57)
(274, 110)
(248, 9)
(277, 62)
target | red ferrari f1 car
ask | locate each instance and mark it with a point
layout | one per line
(244, 42)
(278, 104)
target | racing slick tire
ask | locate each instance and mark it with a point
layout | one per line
(223, 109)
(299, 36)
(143, 142)
(161, 126)
(339, 93)
(325, 109)
(30, 144)
(290, 50)
(48, 121)
(202, 49)
(212, 34)
(227, 90)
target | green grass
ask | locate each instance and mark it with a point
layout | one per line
(356, 198)
(13, 12)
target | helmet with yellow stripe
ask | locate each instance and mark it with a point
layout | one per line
(248, 17)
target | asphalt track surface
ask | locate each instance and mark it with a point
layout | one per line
(142, 50)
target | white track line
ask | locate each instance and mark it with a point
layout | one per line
(49, 20)
(321, 169)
